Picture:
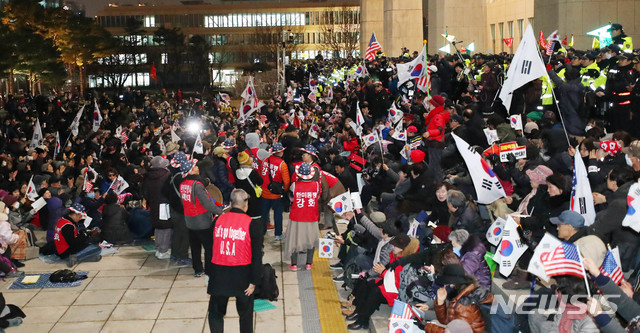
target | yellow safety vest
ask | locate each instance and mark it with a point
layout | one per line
(547, 91)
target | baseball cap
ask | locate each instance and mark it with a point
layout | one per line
(615, 26)
(569, 217)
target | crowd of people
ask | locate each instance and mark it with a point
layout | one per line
(168, 165)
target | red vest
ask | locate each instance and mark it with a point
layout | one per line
(232, 240)
(304, 207)
(58, 239)
(331, 179)
(191, 204)
(232, 178)
(253, 153)
(272, 163)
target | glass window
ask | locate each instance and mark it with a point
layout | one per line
(493, 32)
(510, 29)
(501, 30)
(521, 27)
(164, 58)
(150, 21)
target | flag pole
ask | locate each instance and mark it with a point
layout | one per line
(557, 106)
(586, 283)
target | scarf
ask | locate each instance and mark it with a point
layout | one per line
(570, 313)
(522, 208)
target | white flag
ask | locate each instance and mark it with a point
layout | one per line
(395, 115)
(526, 66)
(486, 183)
(359, 120)
(97, 117)
(249, 91)
(174, 137)
(198, 147)
(398, 133)
(342, 203)
(632, 219)
(313, 130)
(511, 247)
(494, 234)
(581, 195)
(516, 122)
(32, 194)
(547, 244)
(58, 144)
(370, 139)
(289, 95)
(37, 136)
(325, 248)
(414, 69)
(75, 125)
(163, 148)
(492, 135)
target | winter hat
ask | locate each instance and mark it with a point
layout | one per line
(9, 200)
(442, 232)
(401, 241)
(592, 247)
(244, 159)
(417, 156)
(228, 143)
(171, 148)
(412, 129)
(530, 126)
(539, 174)
(437, 100)
(182, 162)
(220, 151)
(377, 217)
(158, 162)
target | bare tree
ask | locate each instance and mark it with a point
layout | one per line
(343, 37)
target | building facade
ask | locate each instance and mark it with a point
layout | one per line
(237, 35)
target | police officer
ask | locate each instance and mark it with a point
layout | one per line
(620, 83)
(620, 38)
(199, 209)
(236, 263)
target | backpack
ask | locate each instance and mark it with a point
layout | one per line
(268, 287)
(350, 269)
(65, 275)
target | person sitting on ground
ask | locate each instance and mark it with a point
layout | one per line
(115, 229)
(459, 298)
(8, 238)
(472, 259)
(72, 243)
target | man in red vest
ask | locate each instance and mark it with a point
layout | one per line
(236, 263)
(199, 210)
(232, 163)
(71, 243)
(279, 174)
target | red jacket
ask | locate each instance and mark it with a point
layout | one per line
(436, 123)
(351, 145)
(389, 296)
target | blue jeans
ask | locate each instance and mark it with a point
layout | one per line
(88, 252)
(276, 205)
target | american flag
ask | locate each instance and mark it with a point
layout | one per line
(550, 46)
(563, 260)
(611, 268)
(401, 310)
(424, 83)
(373, 47)
(124, 137)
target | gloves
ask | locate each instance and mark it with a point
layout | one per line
(548, 66)
(421, 325)
(392, 265)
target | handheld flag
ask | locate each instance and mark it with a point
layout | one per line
(542, 40)
(224, 98)
(581, 197)
(370, 139)
(550, 46)
(494, 234)
(398, 133)
(119, 185)
(553, 257)
(342, 203)
(414, 69)
(485, 181)
(571, 41)
(516, 122)
(508, 42)
(395, 115)
(325, 248)
(197, 146)
(611, 266)
(596, 43)
(372, 48)
(32, 194)
(75, 125)
(511, 247)
(37, 136)
(525, 67)
(57, 150)
(564, 41)
(632, 219)
(97, 117)
(553, 37)
(174, 137)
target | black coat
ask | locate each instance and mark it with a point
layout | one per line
(115, 229)
(156, 190)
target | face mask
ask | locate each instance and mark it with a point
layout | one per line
(608, 55)
(587, 128)
(456, 251)
(91, 195)
(628, 160)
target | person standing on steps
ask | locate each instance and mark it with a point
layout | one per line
(236, 263)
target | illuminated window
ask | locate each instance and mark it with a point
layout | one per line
(164, 58)
(150, 21)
